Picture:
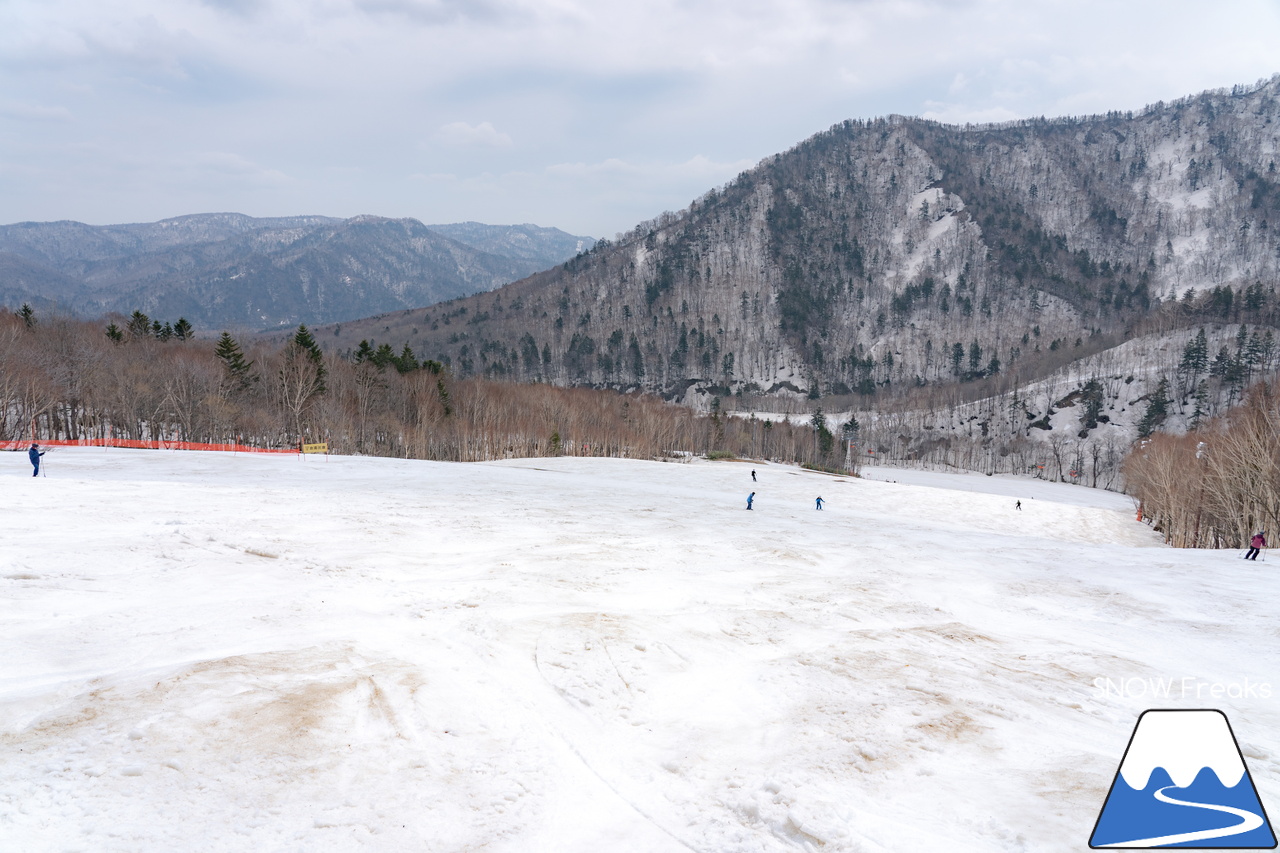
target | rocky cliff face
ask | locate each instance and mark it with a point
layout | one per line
(899, 253)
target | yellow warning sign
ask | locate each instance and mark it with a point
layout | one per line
(322, 447)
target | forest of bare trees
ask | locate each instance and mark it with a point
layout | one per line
(68, 379)
(1216, 486)
(62, 378)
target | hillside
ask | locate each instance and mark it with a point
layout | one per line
(543, 246)
(379, 654)
(892, 254)
(230, 270)
(954, 291)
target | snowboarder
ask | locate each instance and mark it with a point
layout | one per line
(1256, 544)
(34, 455)
(750, 498)
(753, 475)
(1017, 505)
(819, 503)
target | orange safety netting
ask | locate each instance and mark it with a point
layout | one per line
(144, 445)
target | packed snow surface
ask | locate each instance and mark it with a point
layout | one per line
(249, 653)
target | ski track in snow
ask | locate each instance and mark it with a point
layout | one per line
(587, 655)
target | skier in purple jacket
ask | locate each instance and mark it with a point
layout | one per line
(1256, 544)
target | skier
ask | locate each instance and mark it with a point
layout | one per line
(1017, 505)
(1256, 544)
(34, 455)
(819, 503)
(753, 475)
(750, 498)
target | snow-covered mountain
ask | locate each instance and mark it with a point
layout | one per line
(883, 256)
(229, 270)
(942, 283)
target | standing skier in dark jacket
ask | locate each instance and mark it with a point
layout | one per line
(34, 455)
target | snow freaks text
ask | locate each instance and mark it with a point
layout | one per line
(1187, 687)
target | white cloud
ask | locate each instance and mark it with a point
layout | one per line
(591, 109)
(226, 165)
(698, 168)
(33, 112)
(482, 135)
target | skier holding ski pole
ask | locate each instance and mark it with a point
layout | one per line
(34, 455)
(1256, 544)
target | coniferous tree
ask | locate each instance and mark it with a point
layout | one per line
(826, 441)
(139, 325)
(183, 330)
(1202, 404)
(383, 356)
(1092, 399)
(301, 379)
(1195, 360)
(233, 361)
(304, 343)
(114, 333)
(406, 361)
(1157, 410)
(26, 315)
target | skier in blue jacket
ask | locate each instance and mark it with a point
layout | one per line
(34, 455)
(751, 497)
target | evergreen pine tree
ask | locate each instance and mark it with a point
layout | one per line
(1195, 356)
(183, 330)
(301, 379)
(1091, 397)
(304, 343)
(238, 370)
(1202, 404)
(26, 315)
(406, 361)
(826, 441)
(139, 325)
(114, 333)
(383, 356)
(1157, 410)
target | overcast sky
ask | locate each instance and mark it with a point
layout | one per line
(588, 115)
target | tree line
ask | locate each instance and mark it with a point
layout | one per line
(62, 378)
(1215, 486)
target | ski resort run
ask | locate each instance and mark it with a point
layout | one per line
(217, 652)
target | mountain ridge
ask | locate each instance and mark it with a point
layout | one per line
(859, 260)
(231, 270)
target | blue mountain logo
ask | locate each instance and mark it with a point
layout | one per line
(1183, 783)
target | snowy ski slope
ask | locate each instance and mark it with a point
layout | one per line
(244, 653)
